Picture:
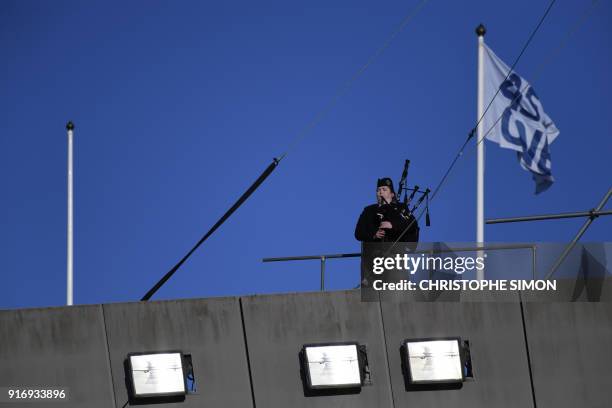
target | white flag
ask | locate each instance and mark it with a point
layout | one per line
(524, 126)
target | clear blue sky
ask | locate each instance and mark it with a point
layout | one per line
(179, 106)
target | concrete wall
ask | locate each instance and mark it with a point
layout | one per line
(495, 333)
(570, 346)
(245, 350)
(210, 330)
(277, 327)
(59, 347)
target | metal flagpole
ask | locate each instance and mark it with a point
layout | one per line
(480, 32)
(70, 242)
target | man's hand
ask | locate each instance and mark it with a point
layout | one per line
(380, 234)
(385, 225)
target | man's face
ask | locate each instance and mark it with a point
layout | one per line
(384, 192)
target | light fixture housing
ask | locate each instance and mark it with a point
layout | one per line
(157, 374)
(333, 365)
(433, 360)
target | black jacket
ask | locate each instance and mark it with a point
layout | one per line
(374, 214)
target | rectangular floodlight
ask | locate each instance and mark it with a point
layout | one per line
(332, 365)
(430, 361)
(157, 374)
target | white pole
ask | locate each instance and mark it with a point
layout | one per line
(480, 32)
(70, 242)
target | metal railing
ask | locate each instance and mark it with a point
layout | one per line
(592, 214)
(323, 258)
(580, 214)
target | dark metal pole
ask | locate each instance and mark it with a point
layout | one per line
(533, 262)
(322, 273)
(591, 213)
(579, 235)
(225, 216)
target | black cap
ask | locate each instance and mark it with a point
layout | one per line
(386, 182)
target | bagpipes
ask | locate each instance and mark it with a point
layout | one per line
(424, 195)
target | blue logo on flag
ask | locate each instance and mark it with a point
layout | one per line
(525, 127)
